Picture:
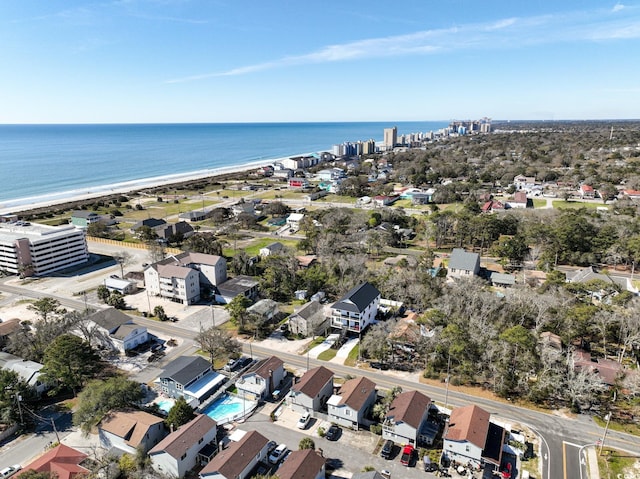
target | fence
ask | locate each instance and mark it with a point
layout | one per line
(128, 245)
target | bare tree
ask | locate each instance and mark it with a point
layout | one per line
(123, 258)
(218, 343)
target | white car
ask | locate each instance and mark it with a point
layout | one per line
(277, 454)
(10, 471)
(303, 422)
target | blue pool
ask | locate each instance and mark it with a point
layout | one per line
(165, 404)
(229, 408)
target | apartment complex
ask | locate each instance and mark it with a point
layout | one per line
(390, 138)
(31, 249)
(181, 277)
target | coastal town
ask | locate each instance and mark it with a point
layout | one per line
(458, 303)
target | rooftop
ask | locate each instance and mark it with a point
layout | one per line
(184, 369)
(312, 382)
(468, 423)
(230, 462)
(179, 442)
(358, 298)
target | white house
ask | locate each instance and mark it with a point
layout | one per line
(294, 220)
(271, 248)
(463, 264)
(131, 431)
(405, 417)
(357, 309)
(349, 406)
(120, 285)
(262, 379)
(113, 329)
(179, 451)
(28, 371)
(309, 319)
(312, 390)
(238, 460)
(470, 438)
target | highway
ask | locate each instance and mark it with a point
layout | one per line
(562, 437)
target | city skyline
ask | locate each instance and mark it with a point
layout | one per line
(145, 61)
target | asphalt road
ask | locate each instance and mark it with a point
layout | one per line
(558, 459)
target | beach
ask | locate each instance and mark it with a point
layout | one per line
(43, 201)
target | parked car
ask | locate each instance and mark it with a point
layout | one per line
(429, 465)
(333, 433)
(271, 446)
(278, 453)
(10, 471)
(232, 364)
(407, 455)
(387, 449)
(303, 422)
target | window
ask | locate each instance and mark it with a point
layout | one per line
(466, 448)
(183, 456)
(200, 440)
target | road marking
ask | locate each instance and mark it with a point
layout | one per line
(572, 444)
(564, 459)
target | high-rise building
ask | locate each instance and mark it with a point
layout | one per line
(34, 249)
(390, 138)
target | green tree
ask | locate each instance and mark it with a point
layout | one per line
(116, 300)
(206, 243)
(181, 413)
(237, 309)
(159, 313)
(101, 396)
(68, 363)
(147, 234)
(12, 389)
(278, 279)
(98, 229)
(306, 443)
(103, 293)
(47, 309)
(218, 343)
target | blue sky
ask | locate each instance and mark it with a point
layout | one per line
(108, 61)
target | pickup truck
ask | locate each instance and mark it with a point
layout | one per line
(407, 455)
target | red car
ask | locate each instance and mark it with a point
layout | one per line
(407, 455)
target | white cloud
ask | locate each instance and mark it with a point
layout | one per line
(595, 25)
(617, 7)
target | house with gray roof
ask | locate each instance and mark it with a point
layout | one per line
(240, 285)
(310, 319)
(266, 309)
(239, 459)
(28, 371)
(502, 280)
(83, 218)
(191, 377)
(271, 248)
(111, 328)
(184, 449)
(357, 309)
(463, 264)
(589, 273)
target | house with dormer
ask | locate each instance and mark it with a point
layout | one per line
(259, 382)
(185, 448)
(357, 309)
(239, 459)
(111, 328)
(349, 406)
(312, 391)
(406, 415)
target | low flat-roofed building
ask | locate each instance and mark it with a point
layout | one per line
(31, 249)
(240, 285)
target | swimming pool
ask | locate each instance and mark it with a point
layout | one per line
(229, 408)
(165, 404)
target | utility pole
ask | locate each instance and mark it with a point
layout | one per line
(604, 435)
(446, 395)
(18, 399)
(213, 316)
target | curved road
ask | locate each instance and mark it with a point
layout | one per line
(562, 437)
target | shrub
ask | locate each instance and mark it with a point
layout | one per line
(376, 429)
(321, 432)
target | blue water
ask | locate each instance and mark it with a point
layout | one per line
(166, 404)
(43, 160)
(227, 406)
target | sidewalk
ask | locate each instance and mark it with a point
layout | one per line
(592, 462)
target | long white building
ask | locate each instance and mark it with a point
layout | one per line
(32, 249)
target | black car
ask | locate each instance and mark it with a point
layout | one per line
(381, 366)
(387, 449)
(333, 433)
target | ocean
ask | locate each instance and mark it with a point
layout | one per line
(43, 162)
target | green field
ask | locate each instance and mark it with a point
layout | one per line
(539, 203)
(561, 204)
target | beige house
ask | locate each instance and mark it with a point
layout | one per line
(131, 431)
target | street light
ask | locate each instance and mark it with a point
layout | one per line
(446, 396)
(213, 316)
(604, 435)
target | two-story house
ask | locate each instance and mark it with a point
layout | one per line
(303, 464)
(463, 264)
(406, 415)
(111, 328)
(180, 451)
(471, 438)
(262, 379)
(130, 431)
(357, 309)
(350, 405)
(190, 377)
(312, 391)
(238, 460)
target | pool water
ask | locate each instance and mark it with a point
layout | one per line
(228, 408)
(166, 404)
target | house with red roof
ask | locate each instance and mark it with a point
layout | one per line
(312, 390)
(472, 439)
(406, 415)
(62, 462)
(350, 405)
(587, 191)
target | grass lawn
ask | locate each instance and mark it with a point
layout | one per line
(282, 194)
(258, 243)
(538, 203)
(616, 426)
(353, 356)
(327, 355)
(336, 199)
(560, 204)
(312, 344)
(613, 464)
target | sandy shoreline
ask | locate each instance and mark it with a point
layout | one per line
(43, 201)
